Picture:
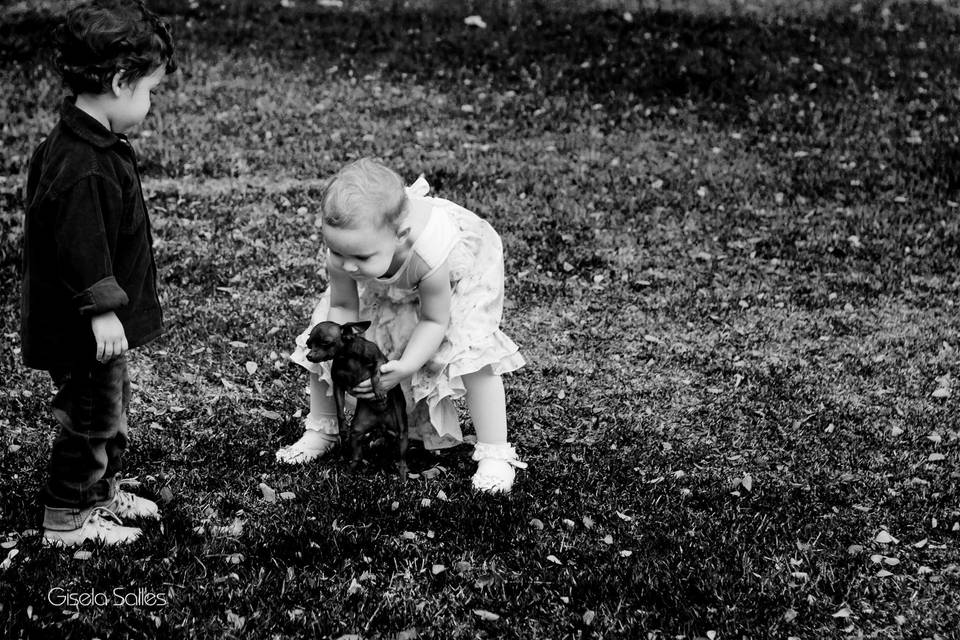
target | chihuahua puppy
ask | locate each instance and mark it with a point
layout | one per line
(353, 359)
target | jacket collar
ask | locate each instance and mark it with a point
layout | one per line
(85, 125)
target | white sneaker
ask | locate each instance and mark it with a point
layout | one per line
(129, 505)
(495, 467)
(102, 525)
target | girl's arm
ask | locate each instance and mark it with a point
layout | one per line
(344, 299)
(435, 297)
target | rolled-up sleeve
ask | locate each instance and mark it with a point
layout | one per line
(102, 296)
(87, 226)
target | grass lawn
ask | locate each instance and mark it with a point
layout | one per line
(733, 258)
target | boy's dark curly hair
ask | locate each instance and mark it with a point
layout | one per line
(103, 37)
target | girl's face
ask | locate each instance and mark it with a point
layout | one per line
(133, 101)
(364, 252)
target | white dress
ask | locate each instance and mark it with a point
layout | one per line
(473, 340)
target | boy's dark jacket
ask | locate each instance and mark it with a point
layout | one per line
(88, 248)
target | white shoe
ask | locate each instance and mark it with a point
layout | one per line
(495, 467)
(311, 445)
(102, 525)
(129, 505)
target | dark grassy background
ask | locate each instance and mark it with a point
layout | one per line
(732, 257)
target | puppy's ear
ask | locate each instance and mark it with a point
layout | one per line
(352, 329)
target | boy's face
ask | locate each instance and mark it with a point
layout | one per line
(132, 101)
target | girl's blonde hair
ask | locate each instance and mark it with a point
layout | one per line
(364, 191)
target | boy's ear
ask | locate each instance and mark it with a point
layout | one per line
(117, 83)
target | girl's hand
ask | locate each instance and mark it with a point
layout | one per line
(110, 336)
(391, 374)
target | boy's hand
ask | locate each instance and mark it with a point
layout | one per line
(391, 374)
(110, 336)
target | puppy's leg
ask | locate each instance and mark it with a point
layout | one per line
(376, 386)
(364, 419)
(399, 404)
(338, 399)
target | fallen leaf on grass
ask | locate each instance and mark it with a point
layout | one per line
(789, 615)
(588, 617)
(251, 367)
(437, 569)
(936, 457)
(883, 573)
(536, 523)
(475, 21)
(483, 614)
(232, 530)
(624, 517)
(268, 492)
(9, 559)
(295, 614)
(885, 538)
(554, 559)
(236, 621)
(288, 495)
(842, 613)
(747, 482)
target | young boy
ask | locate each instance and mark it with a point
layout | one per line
(89, 284)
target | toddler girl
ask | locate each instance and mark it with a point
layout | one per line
(428, 274)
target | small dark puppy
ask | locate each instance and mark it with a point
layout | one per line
(353, 360)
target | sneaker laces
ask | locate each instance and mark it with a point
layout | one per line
(107, 517)
(125, 499)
